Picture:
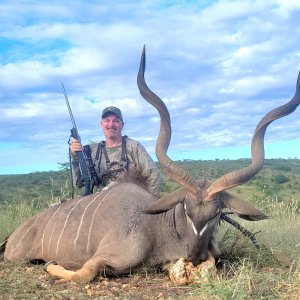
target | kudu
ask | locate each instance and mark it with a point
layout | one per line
(123, 226)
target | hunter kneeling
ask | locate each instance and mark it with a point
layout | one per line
(118, 157)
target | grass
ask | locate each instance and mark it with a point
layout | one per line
(11, 215)
(273, 272)
(245, 281)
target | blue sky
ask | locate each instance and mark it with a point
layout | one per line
(218, 65)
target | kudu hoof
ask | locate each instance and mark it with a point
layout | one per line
(50, 262)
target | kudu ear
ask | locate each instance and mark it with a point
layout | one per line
(241, 208)
(166, 202)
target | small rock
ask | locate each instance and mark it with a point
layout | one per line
(184, 272)
(105, 283)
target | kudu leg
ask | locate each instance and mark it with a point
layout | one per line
(116, 262)
(86, 274)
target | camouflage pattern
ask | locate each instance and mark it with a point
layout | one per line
(141, 167)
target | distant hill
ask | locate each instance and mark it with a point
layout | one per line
(279, 178)
(39, 185)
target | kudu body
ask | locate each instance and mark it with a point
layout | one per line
(123, 226)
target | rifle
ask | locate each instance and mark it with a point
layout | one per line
(82, 157)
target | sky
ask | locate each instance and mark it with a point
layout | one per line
(219, 66)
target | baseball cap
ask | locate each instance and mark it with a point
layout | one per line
(112, 110)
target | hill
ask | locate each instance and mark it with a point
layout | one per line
(279, 179)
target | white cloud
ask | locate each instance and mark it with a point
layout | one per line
(219, 68)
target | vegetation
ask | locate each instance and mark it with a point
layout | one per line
(271, 272)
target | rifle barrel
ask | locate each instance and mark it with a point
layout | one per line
(69, 107)
(84, 170)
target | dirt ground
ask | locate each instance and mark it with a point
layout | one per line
(32, 282)
(241, 281)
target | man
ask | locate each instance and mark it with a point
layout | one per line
(118, 157)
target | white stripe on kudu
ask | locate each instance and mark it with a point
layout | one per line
(59, 207)
(84, 214)
(65, 224)
(92, 222)
(27, 231)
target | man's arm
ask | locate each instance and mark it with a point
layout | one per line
(77, 178)
(148, 169)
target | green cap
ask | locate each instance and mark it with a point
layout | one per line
(112, 110)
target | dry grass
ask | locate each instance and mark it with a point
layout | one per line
(238, 279)
(273, 272)
(32, 282)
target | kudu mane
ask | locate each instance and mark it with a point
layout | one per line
(131, 176)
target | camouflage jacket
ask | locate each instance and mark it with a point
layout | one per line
(140, 166)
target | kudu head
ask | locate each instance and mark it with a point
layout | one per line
(203, 201)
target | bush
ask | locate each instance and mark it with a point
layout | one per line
(283, 168)
(280, 179)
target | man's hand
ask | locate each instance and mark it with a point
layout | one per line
(75, 147)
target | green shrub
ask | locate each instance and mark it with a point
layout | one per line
(280, 179)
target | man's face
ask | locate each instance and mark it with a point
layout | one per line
(112, 126)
